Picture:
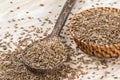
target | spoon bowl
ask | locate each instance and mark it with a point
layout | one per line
(45, 69)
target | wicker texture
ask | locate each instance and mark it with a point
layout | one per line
(107, 50)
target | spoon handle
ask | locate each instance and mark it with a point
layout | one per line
(62, 17)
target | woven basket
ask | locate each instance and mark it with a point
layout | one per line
(107, 50)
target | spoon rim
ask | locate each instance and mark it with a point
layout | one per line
(40, 70)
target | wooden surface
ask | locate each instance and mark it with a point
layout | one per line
(10, 15)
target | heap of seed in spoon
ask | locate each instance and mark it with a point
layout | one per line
(45, 53)
(97, 25)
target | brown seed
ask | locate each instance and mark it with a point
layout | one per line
(99, 26)
(11, 11)
(18, 7)
(45, 54)
(41, 4)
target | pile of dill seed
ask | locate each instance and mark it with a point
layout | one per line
(97, 25)
(45, 53)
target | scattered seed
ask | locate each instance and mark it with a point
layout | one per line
(12, 68)
(11, 2)
(18, 7)
(59, 5)
(41, 4)
(50, 12)
(11, 11)
(27, 12)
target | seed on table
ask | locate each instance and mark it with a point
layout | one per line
(41, 4)
(18, 7)
(11, 11)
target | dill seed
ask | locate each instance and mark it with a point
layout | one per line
(18, 7)
(13, 20)
(4, 47)
(12, 68)
(43, 23)
(115, 77)
(22, 18)
(101, 77)
(29, 17)
(93, 6)
(59, 5)
(22, 33)
(97, 3)
(39, 20)
(11, 2)
(9, 21)
(48, 20)
(114, 2)
(44, 54)
(41, 4)
(18, 19)
(27, 12)
(99, 26)
(50, 12)
(11, 11)
(81, 1)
